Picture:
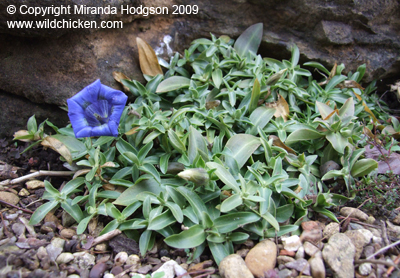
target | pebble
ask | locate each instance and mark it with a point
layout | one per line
(317, 266)
(67, 233)
(310, 249)
(41, 253)
(53, 250)
(262, 257)
(84, 260)
(9, 197)
(243, 252)
(365, 269)
(98, 270)
(354, 212)
(331, 229)
(23, 192)
(170, 269)
(359, 240)
(328, 166)
(101, 247)
(311, 232)
(109, 275)
(12, 216)
(339, 253)
(300, 265)
(291, 243)
(133, 260)
(64, 258)
(58, 242)
(121, 258)
(66, 219)
(74, 276)
(285, 273)
(18, 229)
(284, 259)
(34, 184)
(234, 266)
(300, 253)
(28, 227)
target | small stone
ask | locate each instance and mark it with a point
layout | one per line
(11, 216)
(311, 232)
(144, 269)
(121, 258)
(109, 275)
(9, 197)
(300, 265)
(339, 253)
(354, 212)
(291, 243)
(48, 227)
(171, 268)
(355, 226)
(98, 270)
(64, 258)
(284, 252)
(133, 260)
(74, 276)
(331, 229)
(41, 253)
(23, 192)
(393, 229)
(328, 166)
(117, 269)
(18, 229)
(359, 240)
(34, 184)
(101, 247)
(365, 269)
(67, 233)
(285, 273)
(310, 249)
(66, 219)
(262, 257)
(317, 266)
(234, 266)
(84, 260)
(243, 252)
(284, 259)
(53, 250)
(371, 220)
(300, 253)
(58, 242)
(28, 227)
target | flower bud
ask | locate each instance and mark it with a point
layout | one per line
(199, 176)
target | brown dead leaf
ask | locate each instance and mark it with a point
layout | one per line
(119, 76)
(58, 146)
(372, 136)
(22, 133)
(333, 72)
(281, 107)
(148, 59)
(132, 131)
(81, 172)
(349, 84)
(277, 142)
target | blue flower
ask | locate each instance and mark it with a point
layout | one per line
(96, 110)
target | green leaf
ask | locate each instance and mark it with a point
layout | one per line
(295, 56)
(271, 220)
(338, 141)
(218, 251)
(282, 231)
(144, 151)
(194, 200)
(72, 185)
(51, 190)
(326, 213)
(190, 238)
(196, 143)
(145, 242)
(230, 222)
(42, 211)
(284, 212)
(260, 117)
(323, 109)
(363, 167)
(32, 125)
(150, 169)
(249, 40)
(302, 135)
(242, 147)
(255, 96)
(83, 224)
(224, 175)
(217, 77)
(231, 203)
(128, 196)
(161, 221)
(164, 159)
(176, 141)
(121, 182)
(238, 236)
(173, 83)
(176, 211)
(318, 66)
(332, 174)
(73, 210)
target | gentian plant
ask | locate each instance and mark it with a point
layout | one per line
(96, 110)
(200, 158)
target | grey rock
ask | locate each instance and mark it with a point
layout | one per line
(317, 266)
(84, 260)
(333, 32)
(18, 229)
(339, 253)
(301, 265)
(365, 269)
(64, 258)
(234, 266)
(310, 249)
(285, 273)
(359, 240)
(53, 251)
(284, 259)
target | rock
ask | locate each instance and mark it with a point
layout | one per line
(120, 258)
(23, 192)
(371, 219)
(117, 269)
(243, 252)
(284, 259)
(55, 248)
(84, 260)
(261, 258)
(299, 253)
(64, 258)
(66, 60)
(365, 269)
(331, 229)
(311, 232)
(339, 253)
(234, 266)
(133, 260)
(317, 266)
(34, 184)
(28, 227)
(328, 166)
(291, 243)
(170, 269)
(285, 273)
(66, 219)
(9, 197)
(18, 229)
(122, 243)
(310, 249)
(101, 247)
(284, 252)
(109, 275)
(394, 230)
(67, 233)
(354, 212)
(300, 265)
(359, 240)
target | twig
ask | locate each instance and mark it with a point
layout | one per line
(6, 231)
(390, 269)
(383, 249)
(105, 237)
(384, 233)
(132, 268)
(14, 206)
(376, 262)
(37, 174)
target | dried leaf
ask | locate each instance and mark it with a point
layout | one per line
(58, 146)
(23, 135)
(349, 84)
(281, 107)
(366, 108)
(132, 131)
(333, 72)
(81, 172)
(369, 133)
(119, 76)
(148, 59)
(108, 164)
(277, 142)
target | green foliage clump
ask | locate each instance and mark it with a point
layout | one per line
(225, 146)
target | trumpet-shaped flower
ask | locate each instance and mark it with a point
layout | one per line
(96, 110)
